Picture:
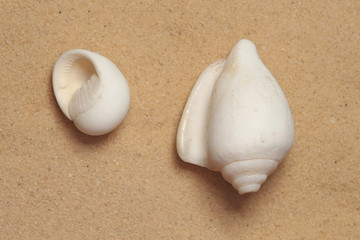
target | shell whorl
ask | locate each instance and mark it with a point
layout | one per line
(248, 175)
(85, 97)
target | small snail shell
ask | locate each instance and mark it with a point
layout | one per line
(91, 91)
(237, 120)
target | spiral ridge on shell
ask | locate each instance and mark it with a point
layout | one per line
(248, 175)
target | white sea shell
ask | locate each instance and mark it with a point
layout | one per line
(91, 91)
(237, 120)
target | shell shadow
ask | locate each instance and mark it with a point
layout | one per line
(215, 184)
(221, 190)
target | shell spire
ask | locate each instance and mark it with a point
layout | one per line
(246, 129)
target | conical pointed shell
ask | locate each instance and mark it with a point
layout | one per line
(91, 91)
(237, 120)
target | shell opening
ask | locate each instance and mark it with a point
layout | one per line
(76, 72)
(77, 84)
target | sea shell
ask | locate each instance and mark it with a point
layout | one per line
(237, 120)
(91, 91)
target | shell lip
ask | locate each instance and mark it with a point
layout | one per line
(191, 133)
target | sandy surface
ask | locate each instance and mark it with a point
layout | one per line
(57, 183)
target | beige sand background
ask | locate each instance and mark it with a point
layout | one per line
(57, 183)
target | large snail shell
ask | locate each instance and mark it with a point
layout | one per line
(237, 120)
(91, 91)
